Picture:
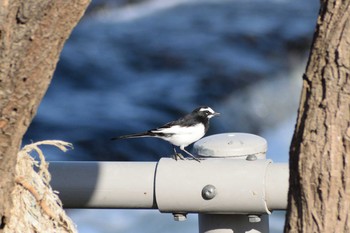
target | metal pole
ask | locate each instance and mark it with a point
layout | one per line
(232, 223)
(220, 186)
(233, 146)
(123, 185)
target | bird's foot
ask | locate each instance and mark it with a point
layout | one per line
(195, 158)
(181, 157)
(178, 156)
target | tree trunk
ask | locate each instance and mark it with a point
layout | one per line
(32, 34)
(319, 193)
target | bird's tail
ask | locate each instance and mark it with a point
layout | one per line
(136, 135)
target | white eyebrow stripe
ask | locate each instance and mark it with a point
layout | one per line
(206, 109)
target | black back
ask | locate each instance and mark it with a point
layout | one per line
(193, 118)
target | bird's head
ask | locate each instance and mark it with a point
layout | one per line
(206, 112)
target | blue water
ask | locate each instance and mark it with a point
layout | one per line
(129, 68)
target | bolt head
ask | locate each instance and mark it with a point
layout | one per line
(251, 158)
(208, 192)
(179, 217)
(254, 218)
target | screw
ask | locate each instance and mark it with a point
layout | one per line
(251, 158)
(254, 218)
(208, 192)
(179, 217)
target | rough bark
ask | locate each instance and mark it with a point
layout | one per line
(32, 34)
(319, 194)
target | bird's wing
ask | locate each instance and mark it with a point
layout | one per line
(175, 129)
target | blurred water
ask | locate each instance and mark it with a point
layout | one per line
(131, 67)
(116, 77)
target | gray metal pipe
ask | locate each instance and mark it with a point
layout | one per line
(240, 186)
(231, 223)
(123, 185)
(245, 148)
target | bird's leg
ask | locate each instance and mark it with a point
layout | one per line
(183, 149)
(177, 155)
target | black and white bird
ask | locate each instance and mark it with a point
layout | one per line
(181, 132)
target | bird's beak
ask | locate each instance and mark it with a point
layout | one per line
(216, 114)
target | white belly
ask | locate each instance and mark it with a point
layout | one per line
(184, 136)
